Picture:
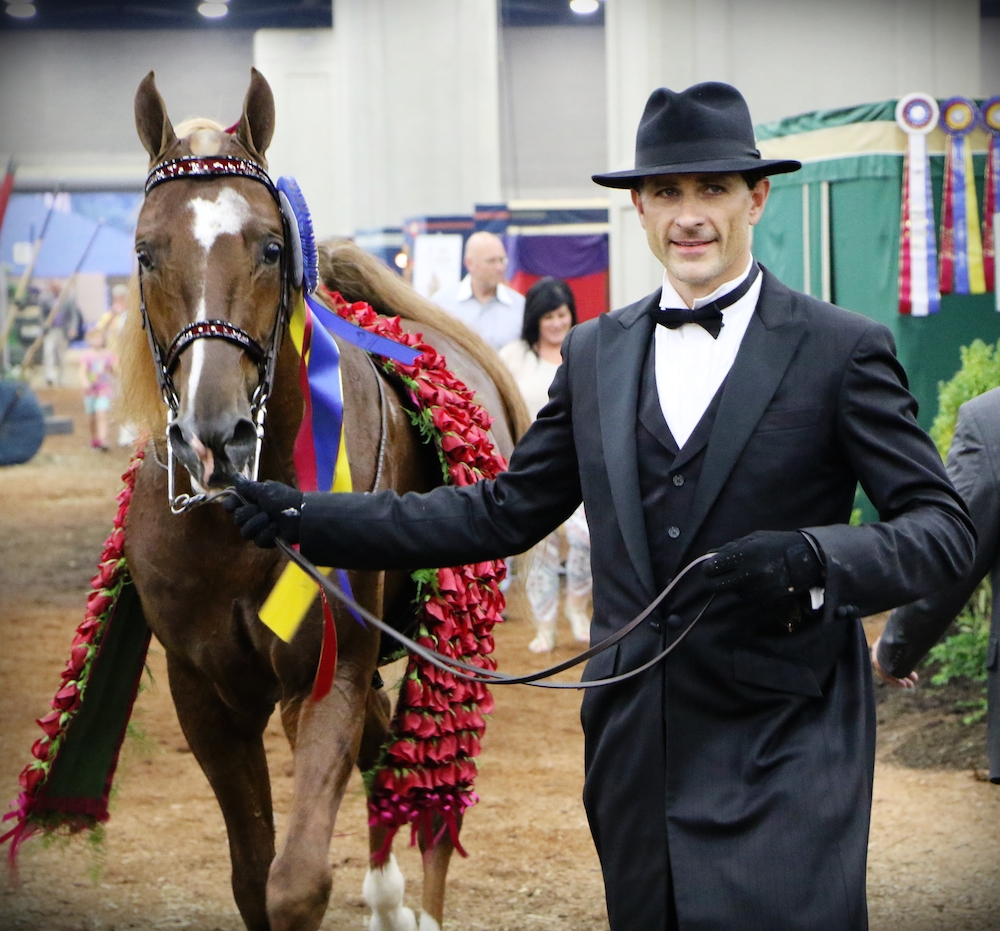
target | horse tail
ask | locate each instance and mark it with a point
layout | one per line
(359, 276)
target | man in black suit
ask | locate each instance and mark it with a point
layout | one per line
(729, 786)
(974, 466)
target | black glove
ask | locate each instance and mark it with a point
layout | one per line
(765, 566)
(272, 510)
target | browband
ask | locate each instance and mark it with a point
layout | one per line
(212, 166)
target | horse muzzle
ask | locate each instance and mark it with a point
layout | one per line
(212, 452)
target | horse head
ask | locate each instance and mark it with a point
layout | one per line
(213, 278)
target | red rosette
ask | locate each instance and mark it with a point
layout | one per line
(50, 723)
(67, 698)
(30, 778)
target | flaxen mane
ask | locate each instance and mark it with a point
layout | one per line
(359, 276)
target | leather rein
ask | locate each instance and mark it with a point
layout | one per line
(472, 673)
(265, 359)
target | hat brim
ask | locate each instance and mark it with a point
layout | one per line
(627, 179)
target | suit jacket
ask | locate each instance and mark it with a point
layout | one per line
(741, 768)
(974, 467)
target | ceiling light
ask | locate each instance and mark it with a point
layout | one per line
(213, 10)
(21, 10)
(584, 7)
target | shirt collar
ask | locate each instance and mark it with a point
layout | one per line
(464, 292)
(670, 298)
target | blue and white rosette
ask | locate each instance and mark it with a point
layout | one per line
(917, 115)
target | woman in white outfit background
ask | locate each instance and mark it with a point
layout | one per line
(549, 312)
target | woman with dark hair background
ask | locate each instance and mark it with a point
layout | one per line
(549, 312)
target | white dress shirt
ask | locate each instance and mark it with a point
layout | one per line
(689, 364)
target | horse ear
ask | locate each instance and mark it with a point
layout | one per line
(257, 122)
(151, 120)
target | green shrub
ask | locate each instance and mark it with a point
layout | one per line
(980, 372)
(963, 653)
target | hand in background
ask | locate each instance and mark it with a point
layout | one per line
(906, 682)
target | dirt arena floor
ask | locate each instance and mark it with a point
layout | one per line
(935, 843)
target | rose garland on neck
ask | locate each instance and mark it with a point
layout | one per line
(427, 767)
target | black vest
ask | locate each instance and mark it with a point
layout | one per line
(668, 476)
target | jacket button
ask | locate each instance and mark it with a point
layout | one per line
(675, 621)
(678, 480)
(673, 532)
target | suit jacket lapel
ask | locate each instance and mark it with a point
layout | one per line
(621, 348)
(764, 355)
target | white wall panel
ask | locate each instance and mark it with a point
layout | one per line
(66, 97)
(553, 111)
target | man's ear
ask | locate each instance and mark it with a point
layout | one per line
(758, 198)
(637, 200)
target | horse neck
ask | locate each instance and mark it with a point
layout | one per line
(284, 416)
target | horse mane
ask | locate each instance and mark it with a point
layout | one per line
(138, 402)
(359, 276)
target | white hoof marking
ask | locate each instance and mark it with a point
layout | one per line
(427, 923)
(383, 894)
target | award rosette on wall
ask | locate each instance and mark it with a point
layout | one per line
(991, 194)
(961, 269)
(917, 115)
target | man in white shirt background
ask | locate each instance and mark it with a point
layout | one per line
(728, 785)
(481, 300)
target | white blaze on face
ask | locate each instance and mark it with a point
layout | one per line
(212, 218)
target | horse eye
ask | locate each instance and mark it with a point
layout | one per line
(272, 252)
(144, 259)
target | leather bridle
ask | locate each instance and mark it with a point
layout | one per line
(191, 167)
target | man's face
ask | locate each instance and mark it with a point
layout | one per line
(698, 226)
(486, 262)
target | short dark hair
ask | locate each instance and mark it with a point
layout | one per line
(544, 296)
(751, 177)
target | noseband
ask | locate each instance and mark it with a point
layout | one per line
(265, 359)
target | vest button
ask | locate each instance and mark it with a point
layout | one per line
(673, 532)
(678, 480)
(675, 621)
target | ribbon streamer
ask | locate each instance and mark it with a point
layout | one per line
(991, 195)
(917, 115)
(961, 269)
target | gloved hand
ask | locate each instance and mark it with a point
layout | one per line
(764, 566)
(273, 510)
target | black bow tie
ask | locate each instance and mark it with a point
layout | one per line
(709, 316)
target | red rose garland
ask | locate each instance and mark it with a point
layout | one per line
(427, 767)
(30, 814)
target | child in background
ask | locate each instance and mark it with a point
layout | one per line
(97, 366)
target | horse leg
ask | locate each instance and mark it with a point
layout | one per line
(230, 751)
(436, 858)
(327, 735)
(384, 884)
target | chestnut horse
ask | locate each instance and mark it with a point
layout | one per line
(213, 249)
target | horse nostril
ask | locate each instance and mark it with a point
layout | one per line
(240, 446)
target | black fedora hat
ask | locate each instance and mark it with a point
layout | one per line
(705, 128)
